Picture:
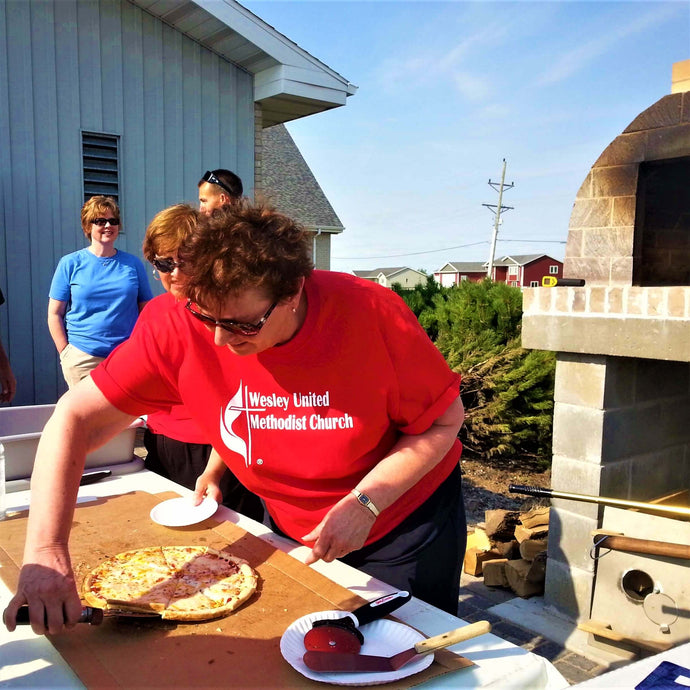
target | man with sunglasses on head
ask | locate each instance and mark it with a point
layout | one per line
(96, 293)
(218, 188)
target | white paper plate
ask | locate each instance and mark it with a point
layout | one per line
(179, 512)
(381, 638)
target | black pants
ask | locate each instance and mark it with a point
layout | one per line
(424, 553)
(184, 462)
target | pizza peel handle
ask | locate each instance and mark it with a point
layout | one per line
(88, 615)
(342, 634)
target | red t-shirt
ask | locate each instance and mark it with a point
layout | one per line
(176, 423)
(301, 423)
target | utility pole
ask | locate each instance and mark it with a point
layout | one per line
(497, 211)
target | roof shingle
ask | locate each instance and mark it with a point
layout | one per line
(290, 185)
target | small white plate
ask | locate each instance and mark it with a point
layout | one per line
(381, 638)
(180, 512)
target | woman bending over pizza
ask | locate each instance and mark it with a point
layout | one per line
(320, 391)
(176, 447)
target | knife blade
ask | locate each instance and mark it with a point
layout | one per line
(343, 634)
(342, 662)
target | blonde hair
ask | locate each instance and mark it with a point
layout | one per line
(168, 229)
(95, 207)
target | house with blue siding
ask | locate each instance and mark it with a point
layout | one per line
(132, 98)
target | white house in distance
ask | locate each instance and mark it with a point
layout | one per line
(407, 278)
(135, 99)
(454, 272)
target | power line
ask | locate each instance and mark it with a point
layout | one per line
(446, 249)
(536, 241)
(391, 256)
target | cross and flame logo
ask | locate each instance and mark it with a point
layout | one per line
(229, 416)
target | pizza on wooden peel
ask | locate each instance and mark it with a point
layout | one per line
(182, 583)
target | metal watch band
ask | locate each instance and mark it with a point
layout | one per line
(365, 501)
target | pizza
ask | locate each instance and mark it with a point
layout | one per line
(183, 583)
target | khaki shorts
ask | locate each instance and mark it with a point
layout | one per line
(76, 364)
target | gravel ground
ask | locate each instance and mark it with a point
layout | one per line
(485, 486)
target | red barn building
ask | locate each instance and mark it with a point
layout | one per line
(524, 270)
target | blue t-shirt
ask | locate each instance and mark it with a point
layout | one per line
(103, 296)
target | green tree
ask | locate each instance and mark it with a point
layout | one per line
(507, 390)
(422, 301)
(508, 398)
(475, 320)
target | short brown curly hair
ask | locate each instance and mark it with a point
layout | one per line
(168, 229)
(94, 208)
(242, 247)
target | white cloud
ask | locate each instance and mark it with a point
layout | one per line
(473, 88)
(452, 65)
(578, 58)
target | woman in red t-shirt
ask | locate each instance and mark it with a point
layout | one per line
(176, 447)
(319, 390)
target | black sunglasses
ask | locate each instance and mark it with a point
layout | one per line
(166, 265)
(236, 327)
(210, 177)
(102, 222)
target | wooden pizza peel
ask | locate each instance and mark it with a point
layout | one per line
(242, 649)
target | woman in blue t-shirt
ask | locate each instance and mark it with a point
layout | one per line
(96, 294)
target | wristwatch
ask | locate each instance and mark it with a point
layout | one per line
(365, 501)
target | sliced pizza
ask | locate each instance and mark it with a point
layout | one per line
(185, 583)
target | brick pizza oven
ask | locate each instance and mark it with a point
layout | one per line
(621, 423)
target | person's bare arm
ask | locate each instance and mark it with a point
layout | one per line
(83, 420)
(56, 323)
(346, 526)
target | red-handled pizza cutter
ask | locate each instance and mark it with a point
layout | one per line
(343, 634)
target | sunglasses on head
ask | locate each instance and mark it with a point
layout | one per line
(210, 177)
(166, 265)
(235, 327)
(102, 222)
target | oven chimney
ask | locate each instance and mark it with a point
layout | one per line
(680, 77)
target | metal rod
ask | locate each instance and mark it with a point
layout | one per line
(601, 500)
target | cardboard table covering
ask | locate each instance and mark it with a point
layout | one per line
(242, 649)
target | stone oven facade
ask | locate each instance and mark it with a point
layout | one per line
(622, 392)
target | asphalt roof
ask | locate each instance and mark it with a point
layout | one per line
(290, 185)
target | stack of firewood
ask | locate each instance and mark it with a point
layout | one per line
(509, 550)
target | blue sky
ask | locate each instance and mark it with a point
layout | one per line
(447, 90)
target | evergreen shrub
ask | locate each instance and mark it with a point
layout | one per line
(507, 391)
